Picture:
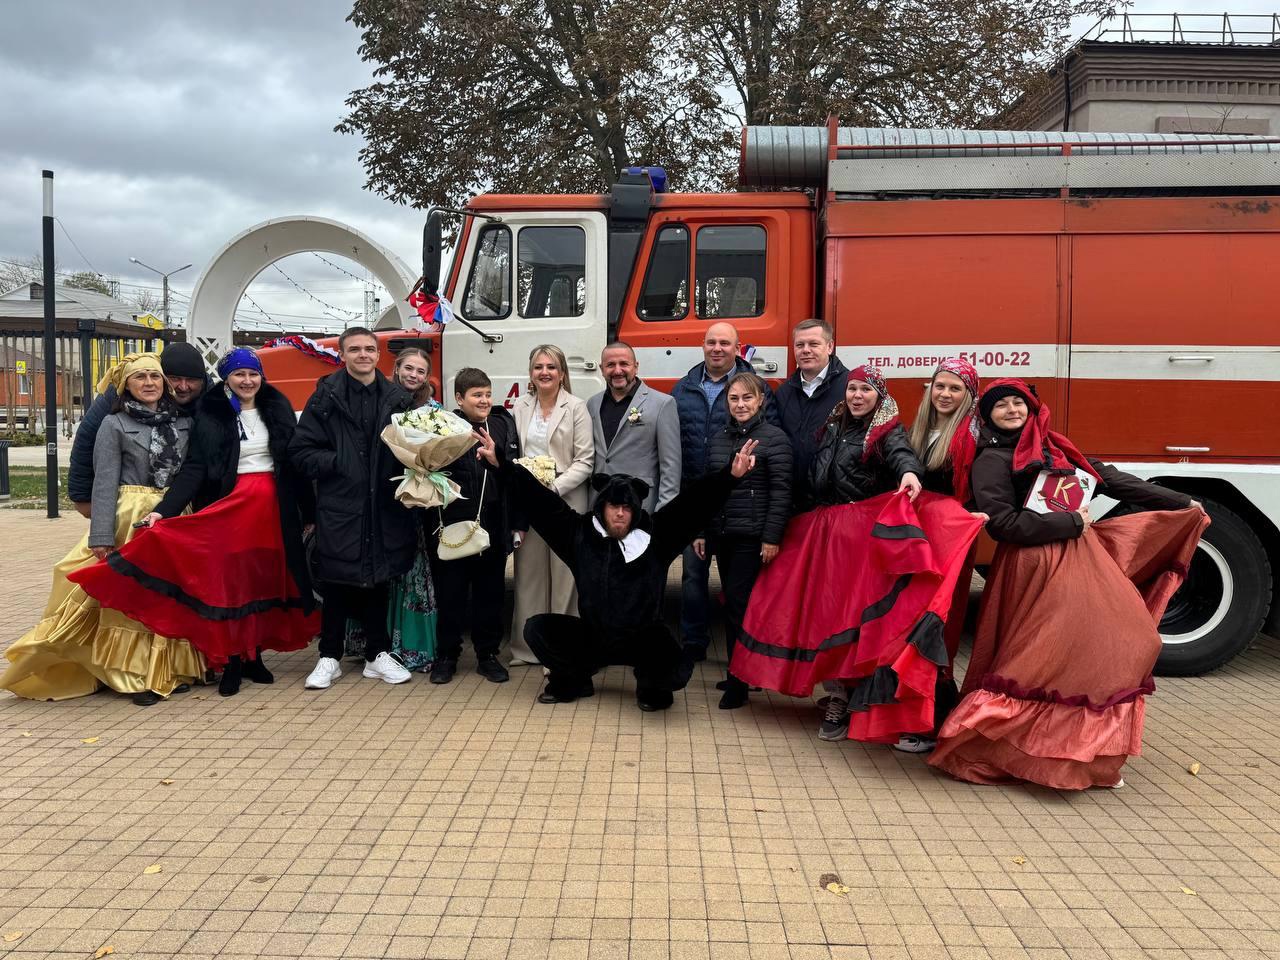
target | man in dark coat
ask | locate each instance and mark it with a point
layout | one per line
(700, 404)
(364, 536)
(619, 555)
(809, 395)
(184, 369)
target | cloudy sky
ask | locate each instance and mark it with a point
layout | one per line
(172, 127)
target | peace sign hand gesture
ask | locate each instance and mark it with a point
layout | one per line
(744, 461)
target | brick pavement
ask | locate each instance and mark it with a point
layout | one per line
(469, 822)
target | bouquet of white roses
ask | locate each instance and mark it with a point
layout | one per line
(542, 467)
(425, 440)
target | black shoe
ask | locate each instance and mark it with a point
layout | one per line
(257, 671)
(492, 670)
(210, 676)
(442, 671)
(735, 694)
(182, 688)
(724, 685)
(588, 689)
(229, 685)
(146, 698)
(651, 701)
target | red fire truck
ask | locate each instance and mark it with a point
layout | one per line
(1127, 276)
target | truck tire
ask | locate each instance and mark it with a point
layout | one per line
(1221, 606)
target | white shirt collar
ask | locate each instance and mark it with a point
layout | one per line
(809, 386)
(633, 545)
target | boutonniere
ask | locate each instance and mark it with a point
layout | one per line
(634, 415)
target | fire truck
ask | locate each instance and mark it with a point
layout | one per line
(1128, 276)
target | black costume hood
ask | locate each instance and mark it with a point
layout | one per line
(624, 491)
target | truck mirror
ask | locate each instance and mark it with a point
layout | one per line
(431, 244)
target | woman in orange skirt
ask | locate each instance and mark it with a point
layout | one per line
(1067, 637)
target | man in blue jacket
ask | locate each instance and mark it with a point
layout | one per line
(808, 396)
(704, 412)
(183, 368)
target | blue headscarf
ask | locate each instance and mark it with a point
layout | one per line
(237, 358)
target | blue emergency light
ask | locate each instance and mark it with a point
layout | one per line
(657, 176)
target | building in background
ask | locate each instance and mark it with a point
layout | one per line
(1164, 73)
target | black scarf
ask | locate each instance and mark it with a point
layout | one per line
(166, 458)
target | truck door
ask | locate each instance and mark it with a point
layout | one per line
(531, 278)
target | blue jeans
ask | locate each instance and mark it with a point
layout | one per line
(695, 601)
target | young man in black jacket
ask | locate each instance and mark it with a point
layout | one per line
(475, 585)
(619, 556)
(364, 536)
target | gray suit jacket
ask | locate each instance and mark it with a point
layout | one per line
(648, 448)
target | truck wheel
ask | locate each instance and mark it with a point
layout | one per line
(1221, 606)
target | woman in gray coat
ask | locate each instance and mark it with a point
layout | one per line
(78, 646)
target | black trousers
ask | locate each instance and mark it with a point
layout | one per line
(366, 605)
(572, 650)
(470, 588)
(739, 561)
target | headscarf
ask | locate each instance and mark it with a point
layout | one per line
(237, 358)
(126, 367)
(163, 453)
(885, 415)
(964, 442)
(1038, 447)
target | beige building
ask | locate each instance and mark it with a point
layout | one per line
(1165, 74)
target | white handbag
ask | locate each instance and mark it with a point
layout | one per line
(465, 538)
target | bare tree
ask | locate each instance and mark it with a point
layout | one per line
(145, 300)
(17, 273)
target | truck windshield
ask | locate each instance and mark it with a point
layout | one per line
(551, 271)
(488, 295)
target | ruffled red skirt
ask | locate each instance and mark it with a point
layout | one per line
(217, 578)
(861, 593)
(1063, 655)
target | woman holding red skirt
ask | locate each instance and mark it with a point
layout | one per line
(1067, 638)
(232, 578)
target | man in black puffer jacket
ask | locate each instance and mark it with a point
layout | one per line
(619, 556)
(364, 536)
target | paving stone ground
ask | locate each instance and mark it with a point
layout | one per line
(467, 821)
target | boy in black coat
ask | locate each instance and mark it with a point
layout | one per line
(477, 584)
(619, 556)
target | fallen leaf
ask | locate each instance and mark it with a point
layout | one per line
(166, 782)
(1018, 860)
(1189, 892)
(1194, 769)
(260, 879)
(154, 868)
(90, 739)
(26, 733)
(13, 935)
(103, 951)
(839, 889)
(198, 697)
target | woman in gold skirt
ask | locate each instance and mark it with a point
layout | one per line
(78, 646)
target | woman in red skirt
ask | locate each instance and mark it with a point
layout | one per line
(231, 578)
(1066, 639)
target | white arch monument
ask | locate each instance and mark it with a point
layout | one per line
(218, 291)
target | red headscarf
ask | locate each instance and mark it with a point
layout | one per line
(964, 442)
(1040, 448)
(885, 415)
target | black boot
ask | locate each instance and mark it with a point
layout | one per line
(229, 685)
(735, 694)
(257, 671)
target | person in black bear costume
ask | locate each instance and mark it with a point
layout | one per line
(619, 555)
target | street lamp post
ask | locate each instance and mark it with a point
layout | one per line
(165, 279)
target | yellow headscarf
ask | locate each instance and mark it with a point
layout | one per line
(129, 364)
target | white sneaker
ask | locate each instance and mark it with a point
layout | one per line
(326, 671)
(385, 667)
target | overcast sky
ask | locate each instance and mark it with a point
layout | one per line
(173, 126)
